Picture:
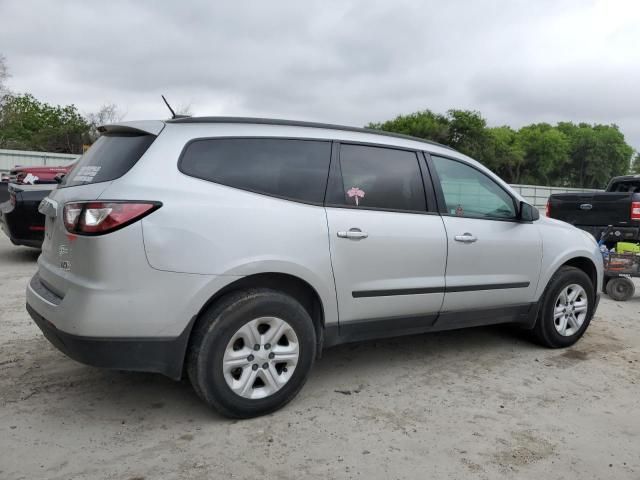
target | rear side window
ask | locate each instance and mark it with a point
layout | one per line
(381, 178)
(110, 157)
(292, 169)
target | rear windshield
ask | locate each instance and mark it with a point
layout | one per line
(632, 186)
(110, 157)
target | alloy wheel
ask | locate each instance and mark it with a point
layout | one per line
(570, 310)
(261, 357)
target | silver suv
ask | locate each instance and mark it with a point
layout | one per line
(234, 250)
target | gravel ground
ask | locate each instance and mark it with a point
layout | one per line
(480, 403)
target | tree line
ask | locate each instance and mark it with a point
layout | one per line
(565, 154)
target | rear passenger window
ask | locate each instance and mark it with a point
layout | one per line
(381, 178)
(294, 169)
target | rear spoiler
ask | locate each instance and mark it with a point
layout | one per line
(153, 127)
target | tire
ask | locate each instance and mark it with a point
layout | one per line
(548, 327)
(242, 317)
(621, 289)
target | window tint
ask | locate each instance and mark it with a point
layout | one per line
(374, 177)
(295, 169)
(470, 193)
(110, 157)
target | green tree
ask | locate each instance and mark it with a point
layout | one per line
(546, 154)
(596, 152)
(635, 165)
(28, 124)
(468, 133)
(504, 153)
(423, 124)
(567, 154)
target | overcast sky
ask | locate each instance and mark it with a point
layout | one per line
(349, 62)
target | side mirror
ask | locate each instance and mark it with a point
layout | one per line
(528, 213)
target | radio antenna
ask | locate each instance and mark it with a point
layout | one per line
(173, 114)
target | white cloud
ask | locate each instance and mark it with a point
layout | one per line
(352, 62)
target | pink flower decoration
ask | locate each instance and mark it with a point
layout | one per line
(355, 192)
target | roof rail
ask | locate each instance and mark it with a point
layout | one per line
(299, 123)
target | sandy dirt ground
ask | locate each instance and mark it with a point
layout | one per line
(481, 403)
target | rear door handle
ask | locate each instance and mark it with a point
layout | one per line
(353, 234)
(465, 238)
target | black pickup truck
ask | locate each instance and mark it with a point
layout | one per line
(618, 205)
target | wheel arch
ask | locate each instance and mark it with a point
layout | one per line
(292, 285)
(587, 266)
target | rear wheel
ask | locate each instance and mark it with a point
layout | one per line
(251, 352)
(566, 310)
(621, 288)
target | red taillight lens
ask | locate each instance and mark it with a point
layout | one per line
(635, 210)
(97, 218)
(547, 211)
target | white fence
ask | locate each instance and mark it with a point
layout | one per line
(537, 195)
(14, 158)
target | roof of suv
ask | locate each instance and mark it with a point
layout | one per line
(298, 123)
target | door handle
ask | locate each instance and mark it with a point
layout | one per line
(465, 238)
(353, 234)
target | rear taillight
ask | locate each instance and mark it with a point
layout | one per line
(97, 218)
(547, 211)
(635, 210)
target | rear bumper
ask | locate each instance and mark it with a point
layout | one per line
(158, 355)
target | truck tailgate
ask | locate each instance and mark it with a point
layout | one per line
(600, 208)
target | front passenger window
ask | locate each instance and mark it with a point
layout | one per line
(470, 193)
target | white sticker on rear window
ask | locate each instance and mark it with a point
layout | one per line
(86, 174)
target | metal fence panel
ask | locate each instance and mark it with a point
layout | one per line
(12, 158)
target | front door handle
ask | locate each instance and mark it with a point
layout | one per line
(353, 234)
(465, 238)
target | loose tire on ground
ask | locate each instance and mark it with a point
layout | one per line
(238, 316)
(620, 288)
(554, 314)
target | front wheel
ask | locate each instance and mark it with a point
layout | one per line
(251, 352)
(567, 307)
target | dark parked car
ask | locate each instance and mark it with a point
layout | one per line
(618, 206)
(19, 216)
